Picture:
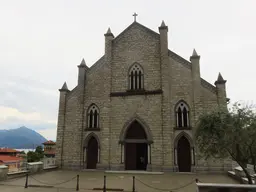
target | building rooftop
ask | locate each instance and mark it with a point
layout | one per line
(8, 150)
(6, 158)
(50, 142)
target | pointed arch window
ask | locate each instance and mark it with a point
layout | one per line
(136, 77)
(182, 115)
(93, 117)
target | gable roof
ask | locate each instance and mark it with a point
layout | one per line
(172, 54)
(135, 23)
(8, 150)
(6, 158)
(97, 63)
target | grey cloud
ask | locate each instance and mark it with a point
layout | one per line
(13, 122)
(40, 51)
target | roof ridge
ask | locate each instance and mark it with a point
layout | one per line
(208, 85)
(133, 24)
(180, 59)
(188, 64)
(97, 62)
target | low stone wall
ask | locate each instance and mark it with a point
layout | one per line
(214, 187)
(3, 172)
(32, 168)
(49, 162)
(35, 167)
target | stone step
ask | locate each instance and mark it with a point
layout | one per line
(135, 172)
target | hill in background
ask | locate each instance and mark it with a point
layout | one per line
(20, 138)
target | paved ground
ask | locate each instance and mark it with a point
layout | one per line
(90, 180)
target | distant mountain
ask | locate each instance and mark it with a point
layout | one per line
(21, 138)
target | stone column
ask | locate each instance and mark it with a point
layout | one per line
(85, 153)
(98, 155)
(61, 125)
(149, 154)
(221, 92)
(192, 156)
(122, 153)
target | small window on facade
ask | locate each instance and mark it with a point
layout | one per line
(136, 80)
(93, 117)
(182, 115)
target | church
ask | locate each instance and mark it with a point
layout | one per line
(136, 108)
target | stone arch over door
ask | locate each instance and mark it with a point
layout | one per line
(135, 140)
(127, 126)
(91, 151)
(183, 152)
(188, 137)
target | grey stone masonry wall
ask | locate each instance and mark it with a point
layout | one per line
(61, 128)
(73, 130)
(106, 84)
(181, 89)
(97, 92)
(135, 45)
(147, 108)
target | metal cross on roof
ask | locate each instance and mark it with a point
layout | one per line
(135, 15)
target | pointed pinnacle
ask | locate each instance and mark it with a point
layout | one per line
(64, 87)
(194, 53)
(83, 62)
(109, 31)
(163, 24)
(220, 78)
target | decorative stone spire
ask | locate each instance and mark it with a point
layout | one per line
(109, 30)
(82, 64)
(109, 33)
(64, 87)
(163, 26)
(220, 80)
(194, 53)
(82, 68)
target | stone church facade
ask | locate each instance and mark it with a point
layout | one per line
(136, 108)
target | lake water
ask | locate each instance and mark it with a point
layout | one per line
(25, 150)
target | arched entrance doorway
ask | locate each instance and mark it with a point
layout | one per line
(92, 153)
(136, 147)
(184, 155)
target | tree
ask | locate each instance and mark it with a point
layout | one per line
(35, 156)
(39, 151)
(32, 156)
(222, 134)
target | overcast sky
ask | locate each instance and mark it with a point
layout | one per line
(42, 42)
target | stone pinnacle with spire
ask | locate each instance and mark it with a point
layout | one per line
(194, 55)
(220, 80)
(64, 87)
(109, 33)
(163, 26)
(82, 64)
